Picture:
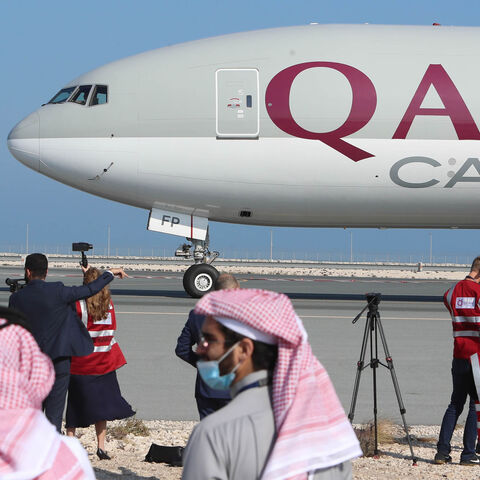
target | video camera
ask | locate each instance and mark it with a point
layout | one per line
(82, 247)
(373, 298)
(15, 284)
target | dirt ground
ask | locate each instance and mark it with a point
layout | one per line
(128, 452)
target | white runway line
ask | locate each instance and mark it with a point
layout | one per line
(345, 317)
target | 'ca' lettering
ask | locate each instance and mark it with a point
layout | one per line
(459, 176)
(364, 102)
(395, 172)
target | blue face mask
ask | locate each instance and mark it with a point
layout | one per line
(210, 372)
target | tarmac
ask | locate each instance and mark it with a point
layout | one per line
(152, 309)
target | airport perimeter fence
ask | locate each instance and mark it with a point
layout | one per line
(158, 253)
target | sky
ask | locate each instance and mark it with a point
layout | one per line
(45, 44)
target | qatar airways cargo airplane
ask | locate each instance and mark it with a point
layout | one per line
(309, 126)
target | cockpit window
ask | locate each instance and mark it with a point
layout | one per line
(100, 95)
(62, 95)
(81, 95)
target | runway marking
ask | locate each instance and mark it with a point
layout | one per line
(312, 278)
(383, 318)
(341, 317)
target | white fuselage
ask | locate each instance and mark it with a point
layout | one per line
(333, 126)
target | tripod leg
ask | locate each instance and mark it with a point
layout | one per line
(374, 365)
(390, 366)
(360, 367)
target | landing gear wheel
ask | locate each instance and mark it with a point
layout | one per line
(199, 279)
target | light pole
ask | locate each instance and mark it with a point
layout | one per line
(431, 249)
(108, 243)
(271, 245)
(351, 246)
(26, 244)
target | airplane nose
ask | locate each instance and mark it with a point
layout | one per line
(24, 141)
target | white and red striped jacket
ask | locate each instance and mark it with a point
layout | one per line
(106, 355)
(463, 302)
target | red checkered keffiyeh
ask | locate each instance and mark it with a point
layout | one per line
(30, 447)
(26, 374)
(313, 431)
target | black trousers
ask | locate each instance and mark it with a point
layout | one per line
(54, 404)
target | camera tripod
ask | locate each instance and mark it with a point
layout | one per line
(373, 326)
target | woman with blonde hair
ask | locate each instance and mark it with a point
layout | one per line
(94, 394)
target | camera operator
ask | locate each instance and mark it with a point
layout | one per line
(48, 307)
(463, 303)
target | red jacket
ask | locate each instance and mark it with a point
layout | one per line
(106, 355)
(463, 302)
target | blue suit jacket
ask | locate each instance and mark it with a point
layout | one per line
(50, 310)
(191, 333)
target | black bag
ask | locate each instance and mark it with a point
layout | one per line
(162, 454)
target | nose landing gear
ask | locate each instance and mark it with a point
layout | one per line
(200, 278)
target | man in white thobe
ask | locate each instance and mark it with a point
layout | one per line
(284, 420)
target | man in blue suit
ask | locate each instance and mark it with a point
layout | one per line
(50, 310)
(208, 400)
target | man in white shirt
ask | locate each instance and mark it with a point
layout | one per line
(284, 419)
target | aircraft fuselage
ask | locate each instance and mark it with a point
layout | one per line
(312, 126)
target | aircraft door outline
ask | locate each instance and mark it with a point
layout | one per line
(237, 105)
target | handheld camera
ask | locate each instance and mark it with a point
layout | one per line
(15, 284)
(82, 247)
